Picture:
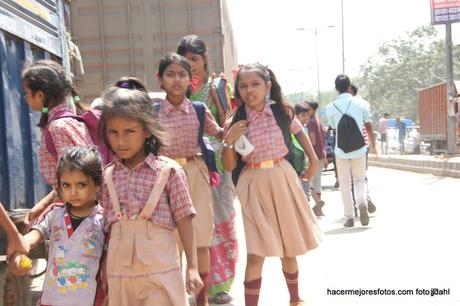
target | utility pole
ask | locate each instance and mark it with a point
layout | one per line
(317, 65)
(343, 42)
(451, 120)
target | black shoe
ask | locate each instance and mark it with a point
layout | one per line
(317, 209)
(370, 206)
(349, 223)
(363, 216)
(336, 185)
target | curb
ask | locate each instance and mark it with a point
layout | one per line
(429, 165)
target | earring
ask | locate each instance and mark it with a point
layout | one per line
(267, 98)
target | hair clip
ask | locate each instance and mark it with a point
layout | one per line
(76, 99)
(124, 85)
(45, 110)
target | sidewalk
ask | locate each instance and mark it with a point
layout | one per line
(439, 165)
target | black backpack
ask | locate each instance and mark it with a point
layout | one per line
(283, 121)
(349, 135)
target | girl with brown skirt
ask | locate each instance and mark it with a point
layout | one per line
(224, 247)
(277, 218)
(179, 119)
(145, 198)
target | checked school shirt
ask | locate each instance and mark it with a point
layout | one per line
(133, 189)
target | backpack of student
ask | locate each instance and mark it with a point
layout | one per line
(349, 135)
(284, 124)
(299, 162)
(91, 119)
(209, 156)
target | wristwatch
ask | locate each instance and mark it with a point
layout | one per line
(226, 145)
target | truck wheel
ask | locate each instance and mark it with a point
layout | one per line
(417, 150)
(14, 290)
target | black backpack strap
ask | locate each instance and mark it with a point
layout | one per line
(240, 114)
(284, 122)
(338, 109)
(349, 103)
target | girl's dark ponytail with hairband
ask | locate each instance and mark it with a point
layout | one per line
(131, 83)
(277, 95)
(50, 78)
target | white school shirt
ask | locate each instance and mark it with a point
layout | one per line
(73, 259)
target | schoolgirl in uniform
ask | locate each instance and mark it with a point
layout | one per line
(47, 89)
(224, 248)
(277, 218)
(145, 198)
(75, 232)
(179, 120)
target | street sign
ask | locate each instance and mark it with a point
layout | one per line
(445, 11)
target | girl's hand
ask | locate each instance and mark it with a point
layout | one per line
(193, 282)
(19, 264)
(236, 130)
(309, 173)
(17, 244)
(325, 164)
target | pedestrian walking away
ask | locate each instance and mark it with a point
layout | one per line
(317, 137)
(402, 132)
(301, 112)
(145, 198)
(224, 247)
(371, 208)
(178, 117)
(348, 114)
(280, 222)
(383, 128)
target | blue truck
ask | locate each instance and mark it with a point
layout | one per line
(29, 30)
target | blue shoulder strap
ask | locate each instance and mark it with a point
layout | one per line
(200, 109)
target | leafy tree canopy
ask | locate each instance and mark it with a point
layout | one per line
(390, 80)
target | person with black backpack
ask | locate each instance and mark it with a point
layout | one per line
(347, 115)
(278, 220)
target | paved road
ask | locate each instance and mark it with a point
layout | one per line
(411, 243)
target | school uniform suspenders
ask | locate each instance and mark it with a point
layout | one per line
(152, 201)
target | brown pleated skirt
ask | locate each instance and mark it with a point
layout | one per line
(278, 220)
(200, 191)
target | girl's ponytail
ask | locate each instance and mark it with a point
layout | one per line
(50, 78)
(277, 96)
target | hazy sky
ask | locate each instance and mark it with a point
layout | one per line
(265, 31)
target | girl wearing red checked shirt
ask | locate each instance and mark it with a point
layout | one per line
(47, 89)
(145, 198)
(277, 218)
(179, 120)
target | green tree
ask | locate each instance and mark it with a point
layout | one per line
(390, 80)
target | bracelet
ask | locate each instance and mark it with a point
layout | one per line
(226, 145)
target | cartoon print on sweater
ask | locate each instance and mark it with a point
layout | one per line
(90, 240)
(69, 276)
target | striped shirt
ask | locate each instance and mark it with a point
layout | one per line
(134, 186)
(66, 133)
(182, 126)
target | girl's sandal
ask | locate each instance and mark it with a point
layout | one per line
(222, 298)
(298, 303)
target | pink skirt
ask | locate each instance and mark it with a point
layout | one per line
(278, 220)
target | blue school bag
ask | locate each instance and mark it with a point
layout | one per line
(209, 156)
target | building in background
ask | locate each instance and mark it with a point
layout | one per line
(128, 37)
